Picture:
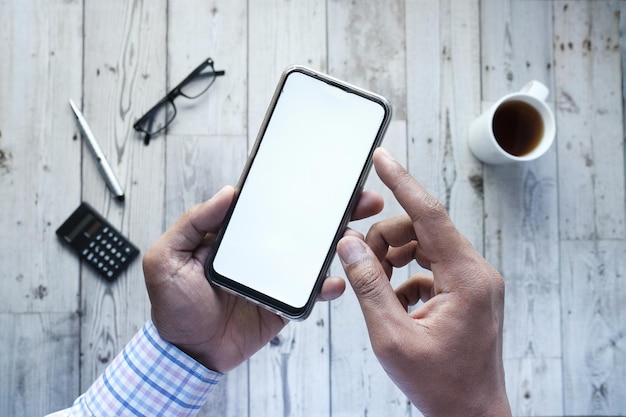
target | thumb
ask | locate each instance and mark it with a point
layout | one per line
(369, 281)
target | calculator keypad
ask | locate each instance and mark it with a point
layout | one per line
(108, 252)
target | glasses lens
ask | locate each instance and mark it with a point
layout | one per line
(158, 119)
(199, 84)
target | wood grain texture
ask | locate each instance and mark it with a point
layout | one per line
(443, 96)
(124, 56)
(589, 114)
(39, 186)
(39, 154)
(594, 327)
(591, 205)
(521, 212)
(554, 227)
(39, 364)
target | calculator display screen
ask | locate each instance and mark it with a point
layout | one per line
(75, 231)
(93, 229)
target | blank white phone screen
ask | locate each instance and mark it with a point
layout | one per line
(299, 185)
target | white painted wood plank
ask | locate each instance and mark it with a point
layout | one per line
(423, 62)
(39, 160)
(443, 81)
(360, 53)
(521, 212)
(290, 376)
(534, 385)
(40, 69)
(206, 147)
(591, 172)
(589, 116)
(124, 60)
(594, 327)
(39, 362)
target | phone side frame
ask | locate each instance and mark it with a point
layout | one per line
(267, 302)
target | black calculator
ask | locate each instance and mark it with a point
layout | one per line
(97, 242)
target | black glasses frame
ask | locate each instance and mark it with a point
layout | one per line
(172, 95)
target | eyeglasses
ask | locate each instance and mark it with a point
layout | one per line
(161, 115)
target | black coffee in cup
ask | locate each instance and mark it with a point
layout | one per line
(517, 127)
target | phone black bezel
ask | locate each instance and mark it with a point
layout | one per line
(270, 303)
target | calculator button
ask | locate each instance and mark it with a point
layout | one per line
(105, 229)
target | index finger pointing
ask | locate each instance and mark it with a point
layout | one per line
(437, 235)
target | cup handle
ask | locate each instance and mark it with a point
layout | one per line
(536, 89)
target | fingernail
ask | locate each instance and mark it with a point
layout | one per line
(351, 250)
(223, 190)
(384, 152)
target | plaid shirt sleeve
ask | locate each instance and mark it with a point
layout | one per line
(149, 377)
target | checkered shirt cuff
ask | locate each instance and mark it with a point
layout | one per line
(149, 377)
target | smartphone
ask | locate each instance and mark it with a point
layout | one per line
(297, 191)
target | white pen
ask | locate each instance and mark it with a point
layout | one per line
(103, 164)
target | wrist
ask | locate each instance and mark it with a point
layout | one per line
(197, 352)
(493, 408)
(499, 408)
(462, 400)
(202, 357)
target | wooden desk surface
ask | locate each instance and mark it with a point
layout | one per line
(554, 228)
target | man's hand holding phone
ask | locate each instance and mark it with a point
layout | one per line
(218, 329)
(446, 355)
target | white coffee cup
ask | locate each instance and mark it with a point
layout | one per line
(519, 127)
